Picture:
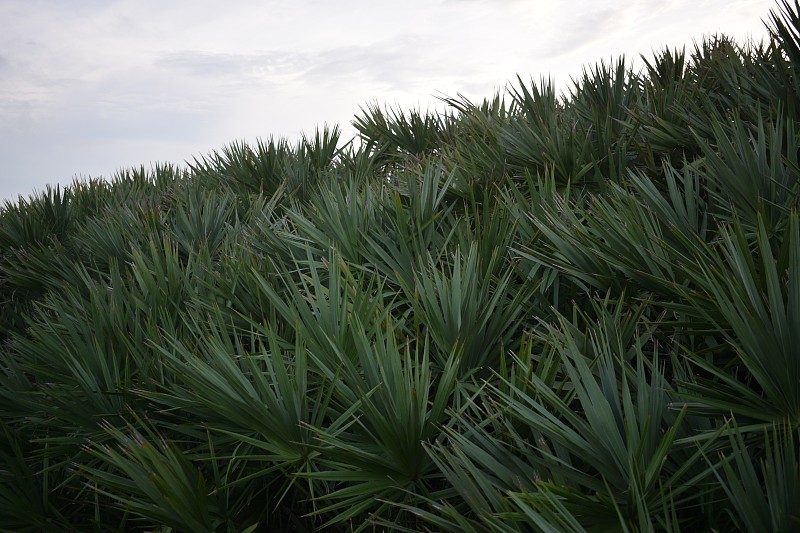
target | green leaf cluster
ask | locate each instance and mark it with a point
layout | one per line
(540, 312)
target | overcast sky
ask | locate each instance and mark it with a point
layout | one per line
(91, 86)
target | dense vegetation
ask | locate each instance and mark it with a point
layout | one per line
(541, 312)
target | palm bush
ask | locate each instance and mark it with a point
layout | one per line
(538, 312)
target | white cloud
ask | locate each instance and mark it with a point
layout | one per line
(88, 86)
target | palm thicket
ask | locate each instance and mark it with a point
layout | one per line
(539, 312)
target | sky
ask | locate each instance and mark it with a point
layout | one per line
(88, 87)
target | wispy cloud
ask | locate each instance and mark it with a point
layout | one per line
(222, 65)
(584, 30)
(84, 79)
(405, 62)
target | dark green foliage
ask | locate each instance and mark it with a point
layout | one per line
(541, 312)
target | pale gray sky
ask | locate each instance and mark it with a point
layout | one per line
(91, 86)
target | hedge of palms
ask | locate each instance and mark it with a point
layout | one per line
(540, 312)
